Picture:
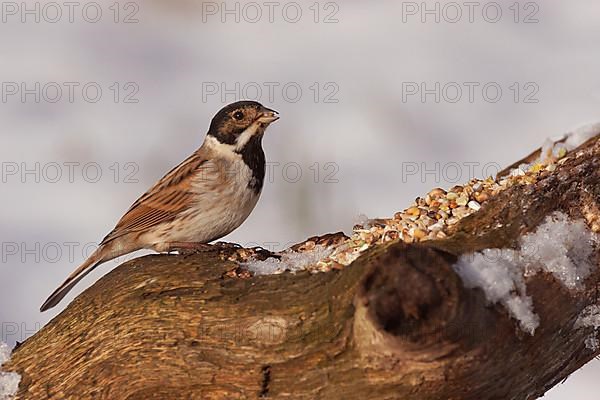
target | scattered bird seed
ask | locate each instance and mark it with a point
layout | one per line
(435, 215)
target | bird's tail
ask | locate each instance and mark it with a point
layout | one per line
(104, 253)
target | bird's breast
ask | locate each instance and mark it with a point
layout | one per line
(225, 197)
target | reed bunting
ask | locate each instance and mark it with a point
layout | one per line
(203, 199)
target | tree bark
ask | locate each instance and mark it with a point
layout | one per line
(395, 324)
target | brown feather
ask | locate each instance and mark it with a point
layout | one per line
(162, 202)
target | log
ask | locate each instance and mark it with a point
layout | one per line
(397, 323)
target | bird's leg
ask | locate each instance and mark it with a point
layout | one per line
(194, 247)
(185, 247)
(227, 246)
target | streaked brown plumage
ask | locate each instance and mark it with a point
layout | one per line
(204, 198)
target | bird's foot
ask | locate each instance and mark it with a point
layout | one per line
(185, 248)
(195, 247)
(227, 246)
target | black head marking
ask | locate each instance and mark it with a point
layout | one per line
(234, 119)
(227, 127)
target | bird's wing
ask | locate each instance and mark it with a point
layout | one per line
(166, 199)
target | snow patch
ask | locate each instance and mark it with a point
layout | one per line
(361, 219)
(581, 135)
(562, 247)
(290, 261)
(590, 318)
(558, 246)
(494, 271)
(548, 151)
(592, 343)
(9, 381)
(553, 150)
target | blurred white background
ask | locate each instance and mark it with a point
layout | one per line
(342, 75)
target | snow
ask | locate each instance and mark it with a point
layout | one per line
(547, 151)
(590, 318)
(520, 170)
(581, 135)
(493, 270)
(551, 149)
(9, 381)
(361, 219)
(592, 343)
(559, 246)
(290, 261)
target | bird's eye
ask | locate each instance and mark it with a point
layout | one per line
(238, 115)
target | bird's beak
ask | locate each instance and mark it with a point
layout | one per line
(267, 116)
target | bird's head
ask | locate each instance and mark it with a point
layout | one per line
(237, 123)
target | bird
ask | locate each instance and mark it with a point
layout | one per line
(202, 199)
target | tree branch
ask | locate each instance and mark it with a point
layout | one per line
(396, 323)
